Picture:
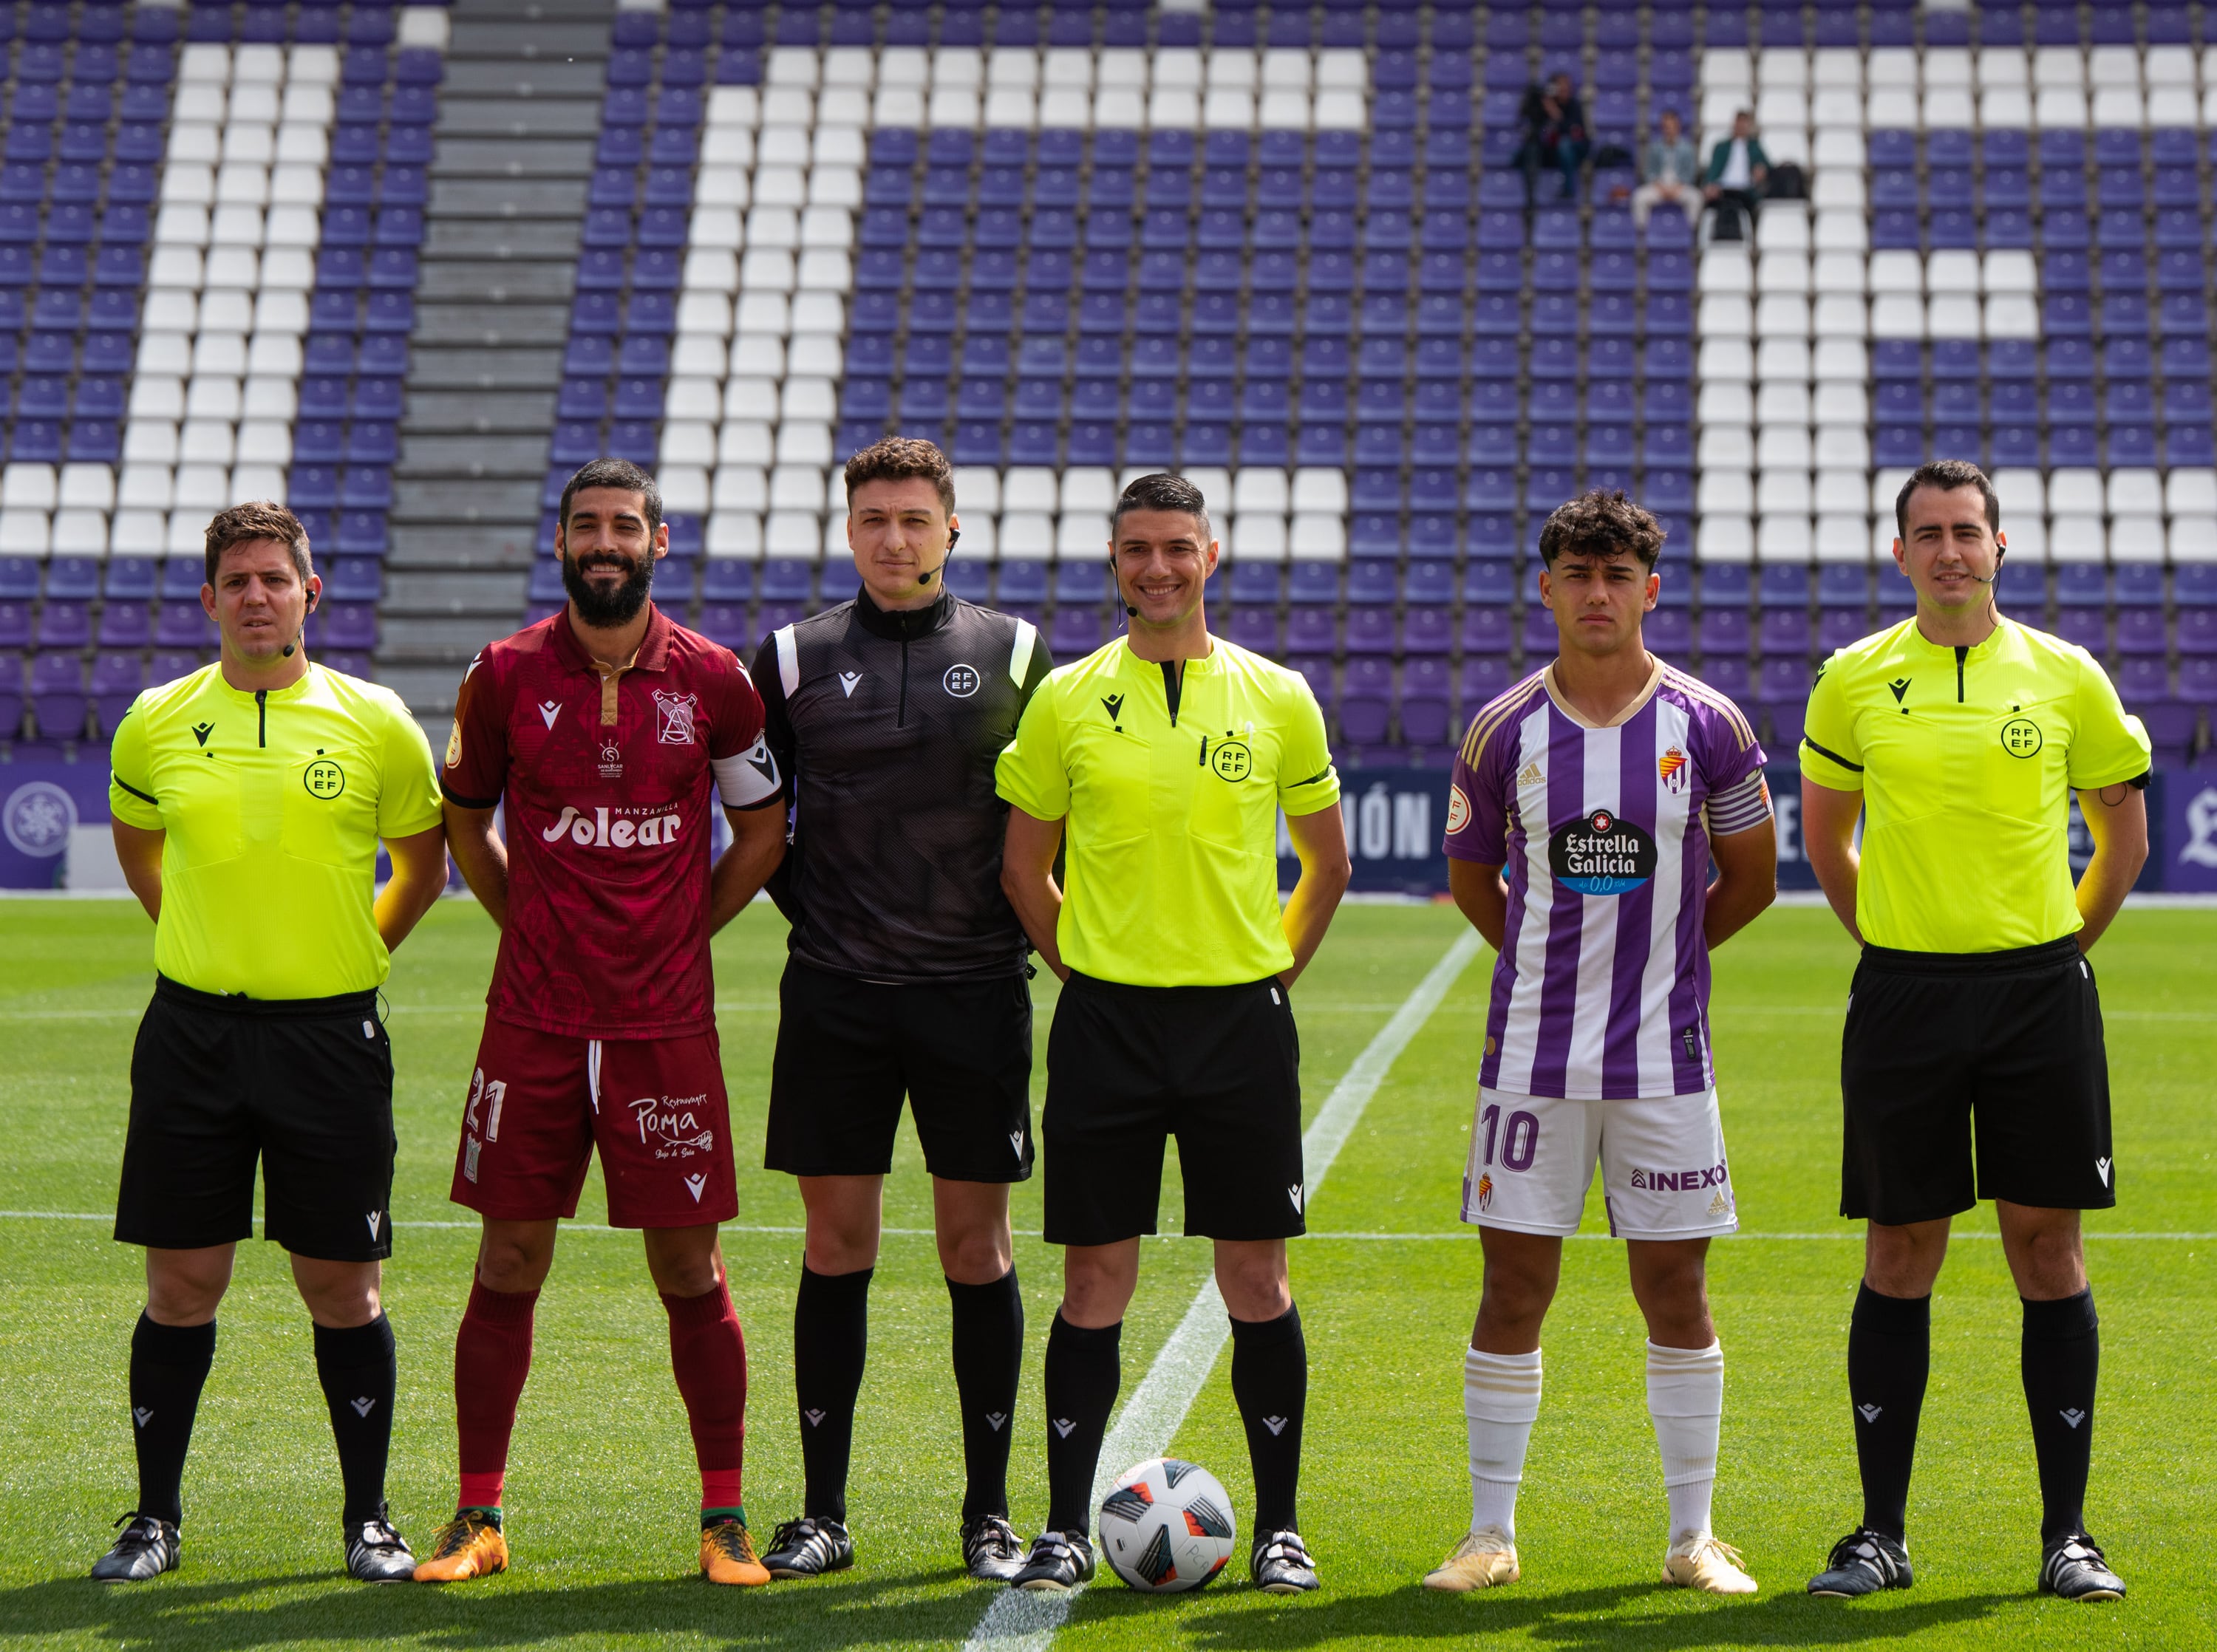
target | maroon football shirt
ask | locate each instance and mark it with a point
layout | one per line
(607, 813)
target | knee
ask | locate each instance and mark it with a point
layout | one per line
(1093, 1294)
(1255, 1289)
(975, 1257)
(509, 1266)
(342, 1304)
(1515, 1294)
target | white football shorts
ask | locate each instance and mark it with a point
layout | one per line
(1664, 1170)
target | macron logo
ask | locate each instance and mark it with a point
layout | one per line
(375, 1220)
(1870, 1413)
(1275, 1424)
(693, 1184)
(1062, 1426)
(1016, 1143)
(814, 1417)
(2074, 1416)
(363, 1406)
(847, 682)
(997, 1418)
(548, 711)
(142, 1415)
(2102, 1169)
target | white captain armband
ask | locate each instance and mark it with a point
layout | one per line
(1738, 808)
(749, 777)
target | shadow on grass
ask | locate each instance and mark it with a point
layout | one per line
(1581, 1619)
(239, 1615)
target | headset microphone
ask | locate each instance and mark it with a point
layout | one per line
(287, 651)
(1117, 580)
(930, 574)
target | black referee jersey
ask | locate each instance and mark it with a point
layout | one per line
(886, 726)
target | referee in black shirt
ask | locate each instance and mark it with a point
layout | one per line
(906, 977)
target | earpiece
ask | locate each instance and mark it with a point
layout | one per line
(930, 574)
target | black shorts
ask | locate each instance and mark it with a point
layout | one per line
(1220, 1068)
(1940, 1045)
(303, 1084)
(848, 1050)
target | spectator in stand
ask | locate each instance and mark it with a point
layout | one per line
(1552, 130)
(1734, 182)
(1667, 169)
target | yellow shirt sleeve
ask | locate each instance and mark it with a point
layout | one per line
(1031, 773)
(1830, 754)
(130, 778)
(1306, 780)
(408, 803)
(2108, 743)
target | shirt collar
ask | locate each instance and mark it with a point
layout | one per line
(903, 625)
(1205, 664)
(653, 648)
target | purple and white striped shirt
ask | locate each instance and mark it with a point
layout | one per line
(1601, 990)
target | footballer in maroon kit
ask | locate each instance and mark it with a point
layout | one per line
(607, 732)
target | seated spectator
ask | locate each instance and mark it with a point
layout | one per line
(1552, 131)
(1667, 171)
(1734, 182)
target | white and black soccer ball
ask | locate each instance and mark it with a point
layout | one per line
(1167, 1527)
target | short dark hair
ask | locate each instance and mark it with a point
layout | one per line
(1601, 523)
(1160, 491)
(1947, 475)
(896, 458)
(258, 519)
(613, 474)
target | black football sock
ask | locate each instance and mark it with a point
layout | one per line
(2061, 1357)
(1271, 1383)
(359, 1373)
(1889, 1358)
(168, 1363)
(1083, 1373)
(989, 1352)
(831, 1340)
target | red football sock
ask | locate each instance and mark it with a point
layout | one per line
(709, 1355)
(492, 1356)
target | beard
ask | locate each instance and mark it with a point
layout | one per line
(605, 609)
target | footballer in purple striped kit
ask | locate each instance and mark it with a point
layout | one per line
(1587, 806)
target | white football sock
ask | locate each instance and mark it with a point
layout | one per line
(1686, 1398)
(1501, 1398)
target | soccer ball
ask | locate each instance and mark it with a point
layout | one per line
(1167, 1527)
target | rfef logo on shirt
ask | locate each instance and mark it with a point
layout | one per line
(1600, 853)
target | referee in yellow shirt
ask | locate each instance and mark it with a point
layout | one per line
(1972, 1065)
(1166, 757)
(249, 799)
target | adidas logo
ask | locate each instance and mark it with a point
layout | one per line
(2102, 1169)
(1293, 1192)
(548, 711)
(1062, 1426)
(1533, 774)
(376, 1219)
(1719, 1206)
(1869, 1412)
(2073, 1415)
(363, 1406)
(695, 1183)
(997, 1418)
(847, 682)
(142, 1415)
(814, 1417)
(1275, 1424)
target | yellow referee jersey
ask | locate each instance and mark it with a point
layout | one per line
(1966, 758)
(1170, 858)
(273, 803)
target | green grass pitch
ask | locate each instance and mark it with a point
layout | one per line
(601, 1489)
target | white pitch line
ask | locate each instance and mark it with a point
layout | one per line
(1018, 1621)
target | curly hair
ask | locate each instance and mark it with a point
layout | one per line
(1602, 523)
(897, 458)
(615, 473)
(258, 519)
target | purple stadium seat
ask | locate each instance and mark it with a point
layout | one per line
(57, 696)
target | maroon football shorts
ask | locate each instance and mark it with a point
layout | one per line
(539, 1103)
